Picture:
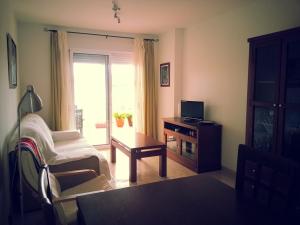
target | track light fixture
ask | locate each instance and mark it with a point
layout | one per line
(116, 10)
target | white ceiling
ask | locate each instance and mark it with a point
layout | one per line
(137, 16)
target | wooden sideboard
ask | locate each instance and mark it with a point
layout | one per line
(196, 145)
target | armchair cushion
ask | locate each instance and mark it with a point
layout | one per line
(95, 184)
(70, 179)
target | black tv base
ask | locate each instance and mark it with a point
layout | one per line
(191, 120)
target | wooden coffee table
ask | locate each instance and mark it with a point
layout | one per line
(136, 146)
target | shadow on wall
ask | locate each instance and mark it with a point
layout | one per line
(4, 178)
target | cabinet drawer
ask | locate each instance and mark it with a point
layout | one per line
(249, 189)
(251, 169)
(266, 175)
(263, 195)
(282, 182)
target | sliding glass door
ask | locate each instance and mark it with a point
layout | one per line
(123, 89)
(91, 91)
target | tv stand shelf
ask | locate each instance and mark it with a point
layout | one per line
(194, 145)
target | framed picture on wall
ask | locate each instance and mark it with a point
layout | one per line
(165, 74)
(12, 61)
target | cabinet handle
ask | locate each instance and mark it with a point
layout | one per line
(274, 105)
(279, 105)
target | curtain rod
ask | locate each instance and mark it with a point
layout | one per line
(102, 35)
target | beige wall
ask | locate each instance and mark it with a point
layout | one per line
(8, 101)
(215, 64)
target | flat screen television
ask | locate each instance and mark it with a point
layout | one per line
(192, 110)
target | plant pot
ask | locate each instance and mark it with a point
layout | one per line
(129, 119)
(120, 122)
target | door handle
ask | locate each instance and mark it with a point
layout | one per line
(279, 105)
(274, 105)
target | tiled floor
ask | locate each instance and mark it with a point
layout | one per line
(147, 172)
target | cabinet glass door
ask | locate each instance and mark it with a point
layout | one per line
(266, 73)
(291, 109)
(263, 129)
(172, 143)
(292, 94)
(188, 149)
(273, 114)
(267, 69)
(291, 134)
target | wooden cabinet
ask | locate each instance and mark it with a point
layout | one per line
(273, 104)
(194, 145)
(267, 180)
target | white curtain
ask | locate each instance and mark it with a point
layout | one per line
(61, 83)
(139, 61)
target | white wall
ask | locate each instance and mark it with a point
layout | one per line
(35, 56)
(178, 67)
(166, 53)
(8, 101)
(215, 64)
(170, 47)
(35, 67)
(99, 43)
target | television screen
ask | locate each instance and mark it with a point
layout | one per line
(192, 109)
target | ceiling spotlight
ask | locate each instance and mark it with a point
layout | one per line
(116, 10)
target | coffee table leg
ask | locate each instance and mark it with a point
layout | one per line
(112, 153)
(163, 163)
(132, 167)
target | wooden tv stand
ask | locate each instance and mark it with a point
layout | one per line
(193, 144)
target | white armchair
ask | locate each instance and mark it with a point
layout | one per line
(59, 191)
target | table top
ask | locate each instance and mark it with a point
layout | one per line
(135, 140)
(185, 201)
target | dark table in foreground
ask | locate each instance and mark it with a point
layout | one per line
(199, 200)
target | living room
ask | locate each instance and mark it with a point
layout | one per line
(205, 44)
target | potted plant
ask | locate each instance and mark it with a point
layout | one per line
(119, 119)
(129, 119)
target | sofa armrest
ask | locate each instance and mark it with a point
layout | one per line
(72, 178)
(91, 163)
(65, 135)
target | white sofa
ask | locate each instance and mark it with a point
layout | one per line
(61, 150)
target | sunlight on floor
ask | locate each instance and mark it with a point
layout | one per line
(147, 170)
